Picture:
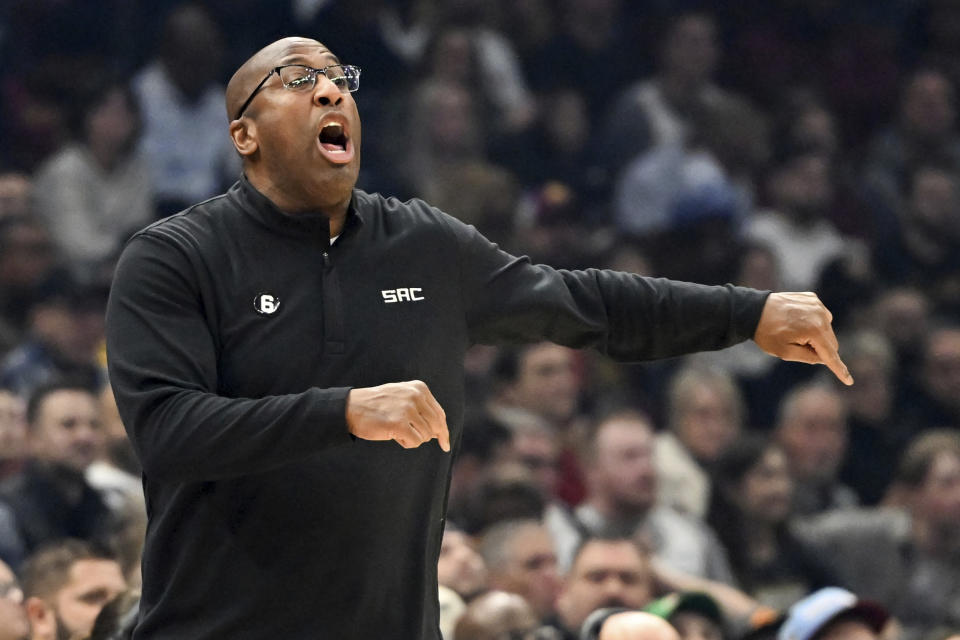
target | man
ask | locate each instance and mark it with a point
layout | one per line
(907, 560)
(622, 500)
(50, 498)
(520, 559)
(496, 615)
(539, 379)
(460, 567)
(812, 429)
(65, 337)
(606, 572)
(705, 413)
(833, 614)
(261, 371)
(66, 586)
(630, 625)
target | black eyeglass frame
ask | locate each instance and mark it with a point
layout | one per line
(314, 72)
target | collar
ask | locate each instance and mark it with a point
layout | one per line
(308, 224)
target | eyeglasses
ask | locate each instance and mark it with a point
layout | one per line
(300, 77)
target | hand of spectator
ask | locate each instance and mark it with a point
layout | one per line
(796, 327)
(403, 411)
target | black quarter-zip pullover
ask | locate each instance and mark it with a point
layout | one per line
(234, 334)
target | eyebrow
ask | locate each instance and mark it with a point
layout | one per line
(297, 58)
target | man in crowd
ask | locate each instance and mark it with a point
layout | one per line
(606, 572)
(812, 429)
(907, 560)
(66, 585)
(266, 373)
(622, 500)
(520, 559)
(50, 498)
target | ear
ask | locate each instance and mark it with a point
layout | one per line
(42, 621)
(243, 132)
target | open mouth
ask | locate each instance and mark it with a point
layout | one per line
(335, 143)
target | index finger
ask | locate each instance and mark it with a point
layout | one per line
(436, 418)
(826, 347)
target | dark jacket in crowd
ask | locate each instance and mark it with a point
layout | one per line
(44, 503)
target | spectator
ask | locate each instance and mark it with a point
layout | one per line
(695, 616)
(65, 337)
(877, 434)
(50, 498)
(444, 159)
(936, 399)
(618, 623)
(499, 77)
(622, 501)
(482, 443)
(920, 247)
(460, 567)
(926, 129)
(797, 226)
(190, 156)
(812, 430)
(66, 585)
(750, 511)
(13, 433)
(606, 572)
(591, 35)
(520, 558)
(13, 617)
(687, 60)
(96, 191)
(906, 559)
(903, 316)
(540, 381)
(28, 257)
(496, 615)
(705, 417)
(833, 614)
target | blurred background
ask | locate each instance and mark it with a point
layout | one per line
(777, 144)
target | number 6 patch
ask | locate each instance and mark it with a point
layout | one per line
(266, 304)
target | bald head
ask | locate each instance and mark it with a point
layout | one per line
(251, 72)
(493, 615)
(636, 624)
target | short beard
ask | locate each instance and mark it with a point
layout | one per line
(62, 632)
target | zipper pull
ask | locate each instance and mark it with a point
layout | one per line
(326, 259)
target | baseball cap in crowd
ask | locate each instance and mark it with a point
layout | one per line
(808, 616)
(693, 601)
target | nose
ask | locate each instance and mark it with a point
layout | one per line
(325, 93)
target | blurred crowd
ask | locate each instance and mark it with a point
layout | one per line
(778, 144)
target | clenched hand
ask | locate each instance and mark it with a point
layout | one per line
(403, 411)
(796, 327)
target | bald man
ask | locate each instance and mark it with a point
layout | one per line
(633, 625)
(287, 359)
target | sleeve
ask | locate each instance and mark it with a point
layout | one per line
(623, 315)
(162, 361)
